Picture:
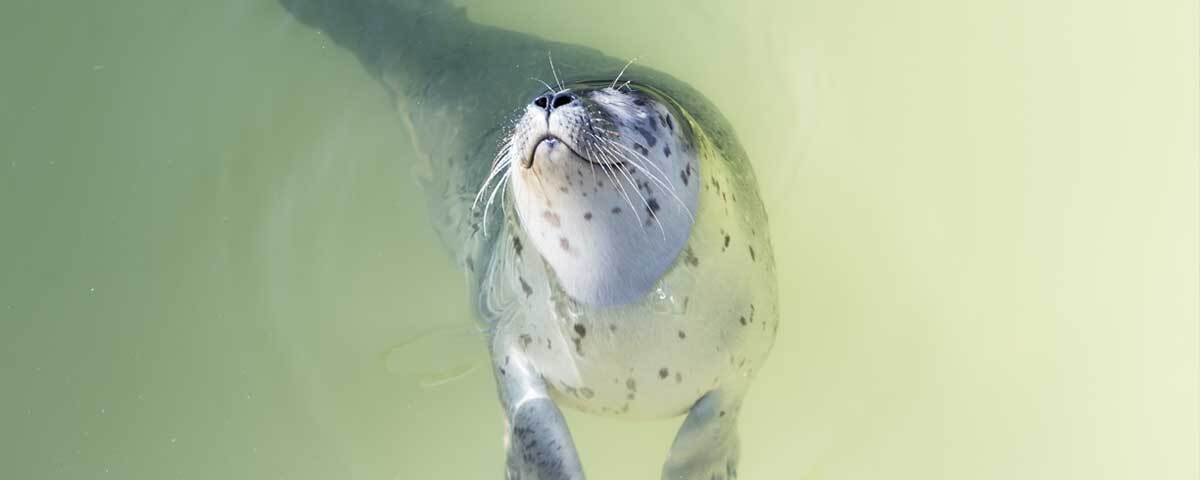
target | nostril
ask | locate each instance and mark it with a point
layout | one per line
(562, 99)
(542, 101)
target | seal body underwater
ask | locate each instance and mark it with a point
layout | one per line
(607, 218)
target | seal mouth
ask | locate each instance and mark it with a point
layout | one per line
(550, 141)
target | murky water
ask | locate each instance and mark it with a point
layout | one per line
(216, 263)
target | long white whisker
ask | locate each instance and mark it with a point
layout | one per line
(641, 161)
(488, 207)
(612, 178)
(645, 202)
(499, 163)
(548, 89)
(646, 160)
(615, 80)
(615, 165)
(552, 70)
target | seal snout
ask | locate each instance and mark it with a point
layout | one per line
(549, 102)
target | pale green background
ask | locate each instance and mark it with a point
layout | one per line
(985, 215)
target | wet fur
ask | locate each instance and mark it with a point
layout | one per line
(684, 336)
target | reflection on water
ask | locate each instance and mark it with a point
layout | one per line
(215, 254)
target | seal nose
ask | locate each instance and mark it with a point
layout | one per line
(549, 102)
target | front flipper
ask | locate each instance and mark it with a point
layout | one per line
(706, 446)
(537, 439)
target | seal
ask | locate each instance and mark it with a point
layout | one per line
(608, 222)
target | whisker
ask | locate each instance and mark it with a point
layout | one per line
(500, 163)
(547, 85)
(646, 161)
(552, 70)
(615, 80)
(488, 207)
(638, 191)
(615, 166)
(612, 178)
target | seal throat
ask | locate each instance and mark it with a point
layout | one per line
(605, 192)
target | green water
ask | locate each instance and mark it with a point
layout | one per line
(215, 259)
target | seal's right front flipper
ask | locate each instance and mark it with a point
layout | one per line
(538, 443)
(706, 446)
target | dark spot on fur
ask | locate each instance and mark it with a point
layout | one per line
(587, 392)
(588, 215)
(640, 148)
(616, 210)
(525, 287)
(525, 340)
(631, 385)
(551, 218)
(682, 335)
(662, 372)
(650, 139)
(639, 102)
(517, 245)
(678, 377)
(562, 242)
(722, 413)
(751, 253)
(726, 242)
(667, 150)
(670, 124)
(562, 189)
(689, 257)
(581, 330)
(578, 346)
(652, 204)
(742, 320)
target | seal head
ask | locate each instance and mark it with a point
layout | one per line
(602, 185)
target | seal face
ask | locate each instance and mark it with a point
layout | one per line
(603, 188)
